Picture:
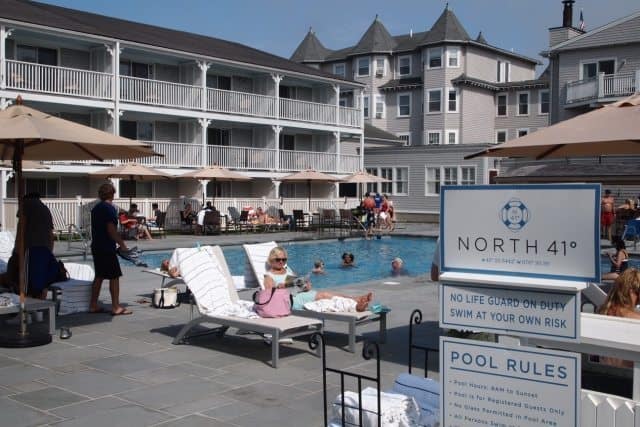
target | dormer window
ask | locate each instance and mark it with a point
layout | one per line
(339, 69)
(363, 67)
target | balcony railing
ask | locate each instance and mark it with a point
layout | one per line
(241, 157)
(602, 87)
(301, 160)
(58, 80)
(26, 76)
(175, 154)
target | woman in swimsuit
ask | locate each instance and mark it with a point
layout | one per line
(619, 261)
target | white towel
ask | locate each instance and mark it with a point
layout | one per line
(425, 391)
(8, 299)
(397, 410)
(333, 305)
(6, 248)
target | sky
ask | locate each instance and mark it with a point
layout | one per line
(278, 26)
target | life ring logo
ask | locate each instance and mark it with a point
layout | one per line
(515, 215)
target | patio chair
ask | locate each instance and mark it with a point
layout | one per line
(328, 219)
(157, 227)
(257, 256)
(300, 219)
(206, 273)
(62, 227)
(211, 222)
(237, 220)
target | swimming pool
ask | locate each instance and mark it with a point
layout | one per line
(372, 258)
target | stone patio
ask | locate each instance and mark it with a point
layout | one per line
(124, 371)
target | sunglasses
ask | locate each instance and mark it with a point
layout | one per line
(280, 259)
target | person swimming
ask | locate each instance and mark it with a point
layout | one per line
(318, 267)
(348, 259)
(397, 267)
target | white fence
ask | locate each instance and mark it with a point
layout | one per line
(249, 104)
(605, 410)
(293, 109)
(241, 157)
(602, 87)
(156, 92)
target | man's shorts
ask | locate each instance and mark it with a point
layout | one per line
(606, 218)
(106, 264)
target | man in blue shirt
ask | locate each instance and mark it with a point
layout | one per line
(104, 236)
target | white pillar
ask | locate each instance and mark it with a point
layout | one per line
(204, 183)
(204, 124)
(336, 190)
(336, 89)
(600, 85)
(114, 51)
(276, 135)
(276, 184)
(4, 33)
(336, 135)
(362, 129)
(116, 184)
(277, 78)
(204, 66)
(3, 195)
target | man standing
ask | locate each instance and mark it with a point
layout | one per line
(607, 215)
(104, 232)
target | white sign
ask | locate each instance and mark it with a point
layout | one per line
(511, 311)
(546, 231)
(491, 384)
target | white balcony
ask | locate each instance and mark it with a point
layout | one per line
(305, 111)
(26, 76)
(176, 154)
(156, 92)
(247, 104)
(241, 157)
(603, 88)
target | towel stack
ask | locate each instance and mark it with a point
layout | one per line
(397, 410)
(76, 295)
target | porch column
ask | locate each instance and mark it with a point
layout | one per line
(116, 184)
(336, 135)
(600, 85)
(637, 82)
(4, 177)
(336, 89)
(276, 136)
(115, 122)
(204, 66)
(362, 129)
(4, 34)
(204, 124)
(204, 183)
(277, 78)
(115, 50)
(336, 190)
(276, 184)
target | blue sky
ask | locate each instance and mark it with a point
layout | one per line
(278, 26)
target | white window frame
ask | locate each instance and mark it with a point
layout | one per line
(437, 183)
(597, 62)
(506, 104)
(366, 106)
(462, 181)
(429, 101)
(398, 103)
(448, 132)
(344, 69)
(441, 178)
(429, 51)
(433, 132)
(395, 191)
(521, 130)
(504, 71)
(400, 58)
(454, 90)
(540, 113)
(384, 66)
(524, 92)
(384, 106)
(366, 58)
(453, 52)
(506, 135)
(407, 141)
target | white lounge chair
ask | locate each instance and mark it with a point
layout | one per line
(257, 256)
(206, 273)
(7, 240)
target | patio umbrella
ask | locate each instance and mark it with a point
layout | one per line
(214, 173)
(133, 171)
(612, 129)
(28, 134)
(363, 177)
(308, 176)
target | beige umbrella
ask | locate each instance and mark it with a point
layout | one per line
(133, 171)
(612, 129)
(28, 134)
(308, 176)
(26, 164)
(214, 173)
(363, 177)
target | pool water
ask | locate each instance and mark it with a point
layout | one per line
(372, 258)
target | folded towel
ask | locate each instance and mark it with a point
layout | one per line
(333, 305)
(425, 391)
(397, 410)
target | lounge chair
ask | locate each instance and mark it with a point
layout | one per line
(205, 272)
(7, 240)
(257, 255)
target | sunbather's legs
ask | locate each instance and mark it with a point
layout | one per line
(362, 301)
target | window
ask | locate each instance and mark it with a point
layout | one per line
(372, 186)
(544, 102)
(435, 57)
(523, 132)
(453, 57)
(363, 67)
(452, 100)
(136, 69)
(219, 82)
(339, 69)
(593, 68)
(365, 107)
(449, 175)
(401, 182)
(404, 104)
(379, 106)
(135, 188)
(406, 137)
(404, 65)
(37, 55)
(342, 102)
(434, 100)
(387, 173)
(220, 137)
(523, 103)
(467, 175)
(288, 92)
(46, 187)
(452, 137)
(501, 105)
(503, 72)
(433, 137)
(501, 136)
(433, 181)
(142, 131)
(287, 142)
(379, 67)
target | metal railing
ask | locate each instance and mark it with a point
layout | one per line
(156, 92)
(602, 87)
(58, 80)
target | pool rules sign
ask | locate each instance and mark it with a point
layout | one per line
(514, 264)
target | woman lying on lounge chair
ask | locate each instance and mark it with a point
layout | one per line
(278, 271)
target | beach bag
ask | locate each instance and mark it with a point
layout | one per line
(165, 297)
(272, 303)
